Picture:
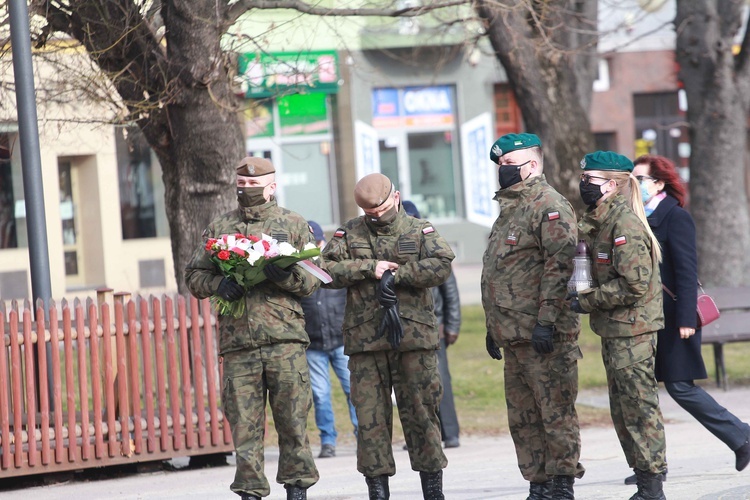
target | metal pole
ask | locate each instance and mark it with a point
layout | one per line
(36, 224)
(31, 164)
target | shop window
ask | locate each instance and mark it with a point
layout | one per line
(303, 114)
(659, 125)
(12, 207)
(507, 112)
(141, 189)
(433, 187)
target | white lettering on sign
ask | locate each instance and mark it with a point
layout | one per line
(427, 101)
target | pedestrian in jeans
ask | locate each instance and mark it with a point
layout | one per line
(324, 315)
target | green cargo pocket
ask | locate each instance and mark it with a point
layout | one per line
(635, 370)
(563, 384)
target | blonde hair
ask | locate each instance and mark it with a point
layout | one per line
(629, 187)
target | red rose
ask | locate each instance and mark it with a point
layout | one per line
(266, 245)
(223, 255)
(210, 243)
(239, 236)
(254, 239)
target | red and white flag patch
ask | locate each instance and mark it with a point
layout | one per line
(620, 240)
(428, 230)
(339, 233)
(553, 215)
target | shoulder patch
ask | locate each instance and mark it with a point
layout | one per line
(553, 215)
(339, 233)
(620, 240)
(428, 230)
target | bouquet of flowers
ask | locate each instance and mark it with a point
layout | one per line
(243, 257)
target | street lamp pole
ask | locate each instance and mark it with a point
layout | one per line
(28, 132)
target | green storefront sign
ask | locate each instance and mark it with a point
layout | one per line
(275, 73)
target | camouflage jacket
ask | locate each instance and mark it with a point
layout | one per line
(273, 311)
(528, 262)
(424, 259)
(626, 299)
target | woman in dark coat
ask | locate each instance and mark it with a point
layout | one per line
(678, 349)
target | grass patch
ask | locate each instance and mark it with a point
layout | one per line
(478, 386)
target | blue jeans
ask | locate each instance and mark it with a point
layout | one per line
(321, 388)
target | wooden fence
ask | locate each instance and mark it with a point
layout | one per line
(109, 382)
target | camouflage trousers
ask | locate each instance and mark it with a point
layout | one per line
(540, 393)
(634, 400)
(278, 372)
(414, 377)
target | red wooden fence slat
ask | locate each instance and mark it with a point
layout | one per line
(16, 390)
(208, 336)
(161, 382)
(83, 383)
(73, 452)
(122, 381)
(200, 404)
(54, 344)
(41, 345)
(135, 387)
(187, 401)
(96, 380)
(4, 401)
(148, 376)
(109, 380)
(173, 364)
(31, 388)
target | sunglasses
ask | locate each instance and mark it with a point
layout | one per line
(586, 178)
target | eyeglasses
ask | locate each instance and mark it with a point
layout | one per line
(586, 178)
(642, 178)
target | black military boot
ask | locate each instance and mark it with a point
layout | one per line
(649, 486)
(295, 492)
(432, 485)
(562, 488)
(540, 491)
(377, 487)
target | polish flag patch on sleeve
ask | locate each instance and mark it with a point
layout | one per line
(620, 240)
(428, 230)
(553, 215)
(339, 233)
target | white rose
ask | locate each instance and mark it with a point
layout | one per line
(286, 249)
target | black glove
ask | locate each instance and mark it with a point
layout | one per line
(541, 338)
(230, 290)
(390, 324)
(275, 273)
(575, 305)
(492, 349)
(387, 289)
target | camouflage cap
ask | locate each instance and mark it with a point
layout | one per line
(513, 142)
(372, 190)
(606, 160)
(253, 166)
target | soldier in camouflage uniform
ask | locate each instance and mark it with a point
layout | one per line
(626, 310)
(263, 352)
(387, 250)
(526, 267)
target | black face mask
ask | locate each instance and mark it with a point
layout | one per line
(590, 193)
(508, 175)
(250, 196)
(385, 219)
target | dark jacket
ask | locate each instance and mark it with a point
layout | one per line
(677, 359)
(447, 305)
(324, 316)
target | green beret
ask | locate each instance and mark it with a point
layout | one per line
(512, 142)
(606, 160)
(253, 166)
(372, 190)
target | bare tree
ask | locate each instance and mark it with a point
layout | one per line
(548, 50)
(717, 83)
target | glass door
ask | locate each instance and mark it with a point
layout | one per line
(72, 244)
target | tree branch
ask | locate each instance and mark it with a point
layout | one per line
(236, 10)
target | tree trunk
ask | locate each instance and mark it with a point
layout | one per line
(551, 70)
(717, 84)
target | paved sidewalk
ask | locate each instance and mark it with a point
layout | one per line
(700, 467)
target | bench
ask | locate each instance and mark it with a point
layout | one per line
(732, 326)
